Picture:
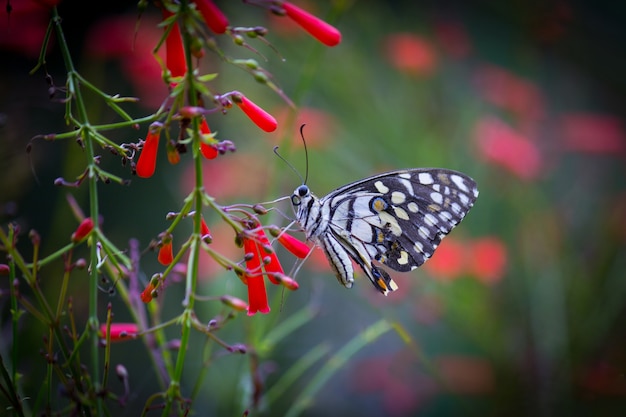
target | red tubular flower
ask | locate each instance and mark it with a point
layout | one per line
(174, 51)
(4, 269)
(257, 296)
(208, 151)
(166, 252)
(146, 294)
(120, 331)
(146, 164)
(320, 30)
(293, 245)
(213, 16)
(82, 231)
(260, 117)
(273, 266)
(488, 259)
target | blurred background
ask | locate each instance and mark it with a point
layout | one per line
(522, 310)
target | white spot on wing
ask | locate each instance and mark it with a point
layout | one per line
(382, 188)
(413, 207)
(401, 213)
(397, 197)
(460, 182)
(425, 178)
(436, 197)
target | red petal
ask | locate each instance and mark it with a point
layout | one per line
(320, 30)
(208, 151)
(213, 16)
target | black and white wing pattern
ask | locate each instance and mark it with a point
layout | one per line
(396, 219)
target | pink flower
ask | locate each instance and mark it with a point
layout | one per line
(593, 133)
(320, 30)
(487, 259)
(500, 144)
(410, 53)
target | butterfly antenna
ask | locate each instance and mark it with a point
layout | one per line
(306, 154)
(288, 164)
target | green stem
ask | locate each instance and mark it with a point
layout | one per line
(74, 89)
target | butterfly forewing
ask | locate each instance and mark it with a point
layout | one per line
(396, 218)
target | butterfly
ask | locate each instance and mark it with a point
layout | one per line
(396, 219)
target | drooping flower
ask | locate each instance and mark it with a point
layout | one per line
(146, 164)
(253, 277)
(213, 16)
(260, 117)
(119, 332)
(320, 30)
(82, 231)
(261, 260)
(174, 50)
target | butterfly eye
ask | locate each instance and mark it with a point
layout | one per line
(302, 190)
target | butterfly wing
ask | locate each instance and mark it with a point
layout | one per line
(397, 218)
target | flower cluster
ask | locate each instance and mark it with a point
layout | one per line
(261, 260)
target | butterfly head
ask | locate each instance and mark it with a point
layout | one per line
(299, 195)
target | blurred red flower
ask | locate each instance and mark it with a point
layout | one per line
(448, 261)
(321, 126)
(510, 92)
(465, 375)
(487, 259)
(500, 144)
(410, 53)
(593, 133)
(115, 38)
(397, 379)
(24, 28)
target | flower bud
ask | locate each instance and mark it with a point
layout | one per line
(83, 230)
